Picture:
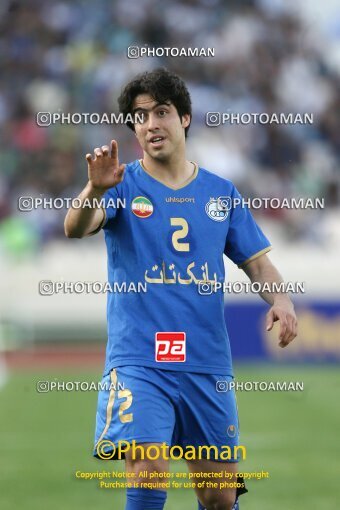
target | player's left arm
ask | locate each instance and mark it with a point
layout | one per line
(282, 309)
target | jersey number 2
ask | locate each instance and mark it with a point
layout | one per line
(180, 234)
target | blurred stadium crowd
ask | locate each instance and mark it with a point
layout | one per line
(72, 57)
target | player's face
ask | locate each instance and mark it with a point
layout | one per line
(162, 131)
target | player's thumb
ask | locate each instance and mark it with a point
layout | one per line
(269, 321)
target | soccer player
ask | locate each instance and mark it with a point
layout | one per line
(168, 347)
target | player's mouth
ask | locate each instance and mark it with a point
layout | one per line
(157, 141)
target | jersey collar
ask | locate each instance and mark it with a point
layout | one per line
(183, 185)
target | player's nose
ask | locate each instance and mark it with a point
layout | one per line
(153, 122)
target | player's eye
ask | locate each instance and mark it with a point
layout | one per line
(162, 113)
(140, 118)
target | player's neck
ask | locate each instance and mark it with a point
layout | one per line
(173, 172)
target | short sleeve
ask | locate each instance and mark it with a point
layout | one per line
(245, 240)
(109, 207)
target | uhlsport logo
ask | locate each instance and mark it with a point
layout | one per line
(141, 207)
(218, 208)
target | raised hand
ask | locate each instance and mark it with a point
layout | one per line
(288, 323)
(104, 169)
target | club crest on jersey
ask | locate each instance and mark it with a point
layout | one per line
(141, 207)
(218, 208)
(232, 431)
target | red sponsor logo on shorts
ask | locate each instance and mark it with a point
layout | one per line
(170, 346)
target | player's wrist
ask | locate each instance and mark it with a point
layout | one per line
(95, 191)
(283, 300)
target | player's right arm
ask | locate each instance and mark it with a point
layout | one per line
(104, 172)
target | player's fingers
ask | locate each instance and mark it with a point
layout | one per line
(113, 149)
(293, 329)
(288, 335)
(120, 172)
(269, 320)
(283, 328)
(105, 150)
(285, 342)
(98, 152)
(295, 326)
(89, 158)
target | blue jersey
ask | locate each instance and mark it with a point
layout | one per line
(165, 266)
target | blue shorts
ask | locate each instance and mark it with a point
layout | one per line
(150, 405)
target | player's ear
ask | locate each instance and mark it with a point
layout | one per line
(186, 119)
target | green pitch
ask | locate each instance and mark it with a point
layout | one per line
(45, 438)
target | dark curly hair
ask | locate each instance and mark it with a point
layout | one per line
(163, 86)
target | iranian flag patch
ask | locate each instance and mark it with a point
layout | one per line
(142, 207)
